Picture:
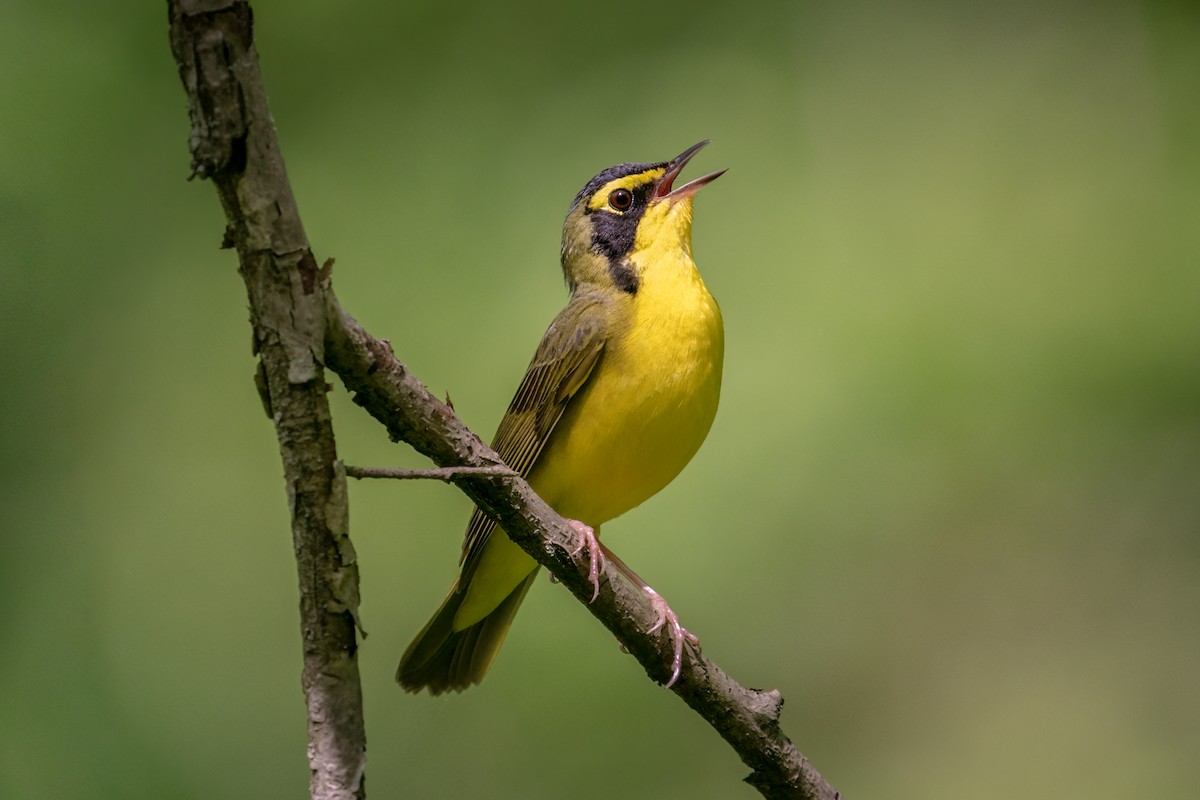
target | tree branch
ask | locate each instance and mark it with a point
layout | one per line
(748, 719)
(233, 142)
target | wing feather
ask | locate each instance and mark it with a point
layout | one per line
(567, 356)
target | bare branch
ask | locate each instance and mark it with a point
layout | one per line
(233, 143)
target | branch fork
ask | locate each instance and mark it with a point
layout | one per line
(299, 331)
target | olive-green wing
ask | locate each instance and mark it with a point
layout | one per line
(568, 354)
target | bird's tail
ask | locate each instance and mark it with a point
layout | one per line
(442, 659)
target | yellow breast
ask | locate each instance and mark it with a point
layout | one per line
(649, 405)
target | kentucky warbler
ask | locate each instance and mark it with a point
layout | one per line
(618, 398)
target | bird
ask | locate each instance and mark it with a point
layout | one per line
(619, 396)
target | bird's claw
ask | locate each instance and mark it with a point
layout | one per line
(588, 541)
(669, 620)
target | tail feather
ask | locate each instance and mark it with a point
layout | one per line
(442, 659)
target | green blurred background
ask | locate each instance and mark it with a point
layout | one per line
(950, 506)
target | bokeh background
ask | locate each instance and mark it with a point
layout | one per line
(950, 506)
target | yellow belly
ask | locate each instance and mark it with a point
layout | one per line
(643, 414)
(646, 410)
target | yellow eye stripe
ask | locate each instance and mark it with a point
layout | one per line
(600, 198)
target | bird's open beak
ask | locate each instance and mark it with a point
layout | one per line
(674, 167)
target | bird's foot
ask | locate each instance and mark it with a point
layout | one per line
(669, 620)
(588, 541)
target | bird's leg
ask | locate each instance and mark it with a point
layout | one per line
(588, 539)
(666, 617)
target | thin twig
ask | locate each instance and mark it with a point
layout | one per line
(444, 474)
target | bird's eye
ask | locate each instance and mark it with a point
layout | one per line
(621, 199)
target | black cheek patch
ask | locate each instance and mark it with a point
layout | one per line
(613, 234)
